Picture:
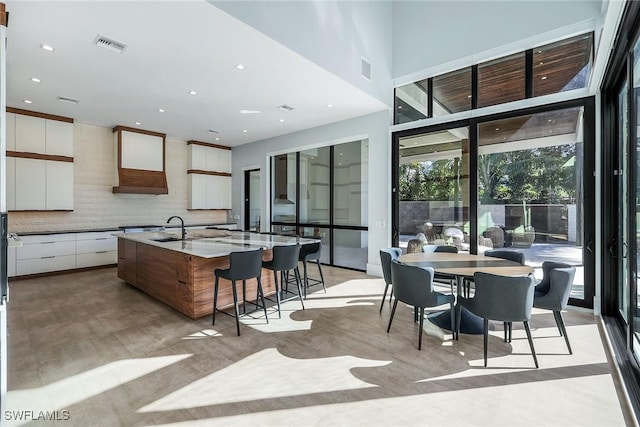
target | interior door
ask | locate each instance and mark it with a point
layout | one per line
(252, 200)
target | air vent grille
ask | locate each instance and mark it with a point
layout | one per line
(285, 107)
(69, 100)
(213, 131)
(110, 44)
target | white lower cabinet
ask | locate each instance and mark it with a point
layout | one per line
(45, 253)
(96, 248)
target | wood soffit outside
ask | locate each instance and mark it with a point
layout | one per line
(142, 131)
(37, 114)
(4, 15)
(25, 155)
(208, 144)
(201, 172)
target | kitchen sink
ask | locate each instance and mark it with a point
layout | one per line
(166, 239)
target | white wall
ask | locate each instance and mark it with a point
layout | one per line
(95, 205)
(375, 127)
(431, 33)
(332, 34)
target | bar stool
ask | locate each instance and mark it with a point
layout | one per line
(285, 258)
(311, 252)
(242, 266)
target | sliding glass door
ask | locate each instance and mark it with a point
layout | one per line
(521, 181)
(323, 193)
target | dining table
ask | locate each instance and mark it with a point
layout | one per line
(461, 266)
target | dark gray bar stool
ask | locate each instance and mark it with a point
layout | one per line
(242, 266)
(308, 253)
(285, 258)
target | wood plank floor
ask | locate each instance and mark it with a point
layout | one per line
(89, 344)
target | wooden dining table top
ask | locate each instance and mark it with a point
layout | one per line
(465, 265)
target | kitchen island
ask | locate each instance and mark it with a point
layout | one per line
(180, 272)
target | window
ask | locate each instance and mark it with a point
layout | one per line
(452, 92)
(562, 66)
(502, 80)
(411, 102)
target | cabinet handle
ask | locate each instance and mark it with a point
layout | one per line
(47, 257)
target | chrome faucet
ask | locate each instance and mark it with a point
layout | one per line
(184, 233)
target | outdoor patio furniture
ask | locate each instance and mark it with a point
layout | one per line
(523, 237)
(414, 246)
(496, 234)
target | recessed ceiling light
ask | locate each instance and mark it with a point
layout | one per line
(249, 112)
(468, 96)
(281, 120)
(541, 62)
(329, 105)
(399, 107)
(497, 128)
(35, 79)
(342, 154)
(543, 78)
(160, 110)
(47, 47)
(240, 66)
(27, 101)
(245, 131)
(138, 123)
(217, 139)
(193, 92)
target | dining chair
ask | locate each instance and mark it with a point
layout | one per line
(500, 298)
(414, 286)
(285, 259)
(442, 278)
(514, 256)
(555, 288)
(386, 255)
(242, 266)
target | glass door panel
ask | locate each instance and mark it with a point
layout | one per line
(433, 188)
(252, 200)
(315, 186)
(623, 205)
(635, 211)
(530, 188)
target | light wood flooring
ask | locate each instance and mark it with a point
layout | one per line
(89, 344)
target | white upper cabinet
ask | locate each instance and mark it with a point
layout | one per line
(11, 132)
(11, 180)
(30, 190)
(30, 134)
(197, 158)
(59, 138)
(208, 190)
(59, 186)
(37, 177)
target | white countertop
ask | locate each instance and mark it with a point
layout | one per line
(212, 247)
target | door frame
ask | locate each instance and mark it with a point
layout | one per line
(247, 197)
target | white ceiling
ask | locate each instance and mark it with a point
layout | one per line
(173, 48)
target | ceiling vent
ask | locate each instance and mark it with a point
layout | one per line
(285, 107)
(366, 69)
(69, 100)
(212, 131)
(110, 44)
